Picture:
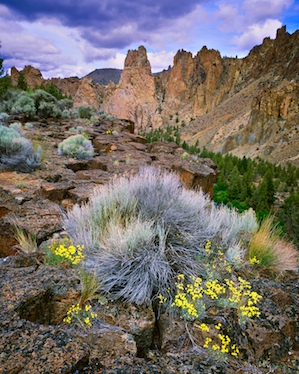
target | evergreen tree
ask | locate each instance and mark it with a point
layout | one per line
(259, 198)
(5, 80)
(268, 180)
(51, 89)
(290, 216)
(235, 184)
(22, 84)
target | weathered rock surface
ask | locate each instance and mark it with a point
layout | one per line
(35, 300)
(33, 76)
(135, 95)
(34, 339)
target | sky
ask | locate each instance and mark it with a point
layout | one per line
(66, 38)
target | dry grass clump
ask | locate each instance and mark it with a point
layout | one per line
(27, 242)
(268, 250)
(90, 285)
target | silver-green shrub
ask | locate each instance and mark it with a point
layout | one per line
(76, 146)
(17, 126)
(16, 152)
(140, 232)
(24, 105)
(4, 117)
(39, 103)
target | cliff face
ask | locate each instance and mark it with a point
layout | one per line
(135, 95)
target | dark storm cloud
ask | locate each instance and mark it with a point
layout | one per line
(98, 21)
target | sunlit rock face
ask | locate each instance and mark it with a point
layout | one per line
(135, 95)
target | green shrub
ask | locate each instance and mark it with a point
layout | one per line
(38, 102)
(140, 232)
(24, 105)
(76, 146)
(65, 104)
(84, 112)
(16, 152)
(8, 100)
(4, 117)
(46, 110)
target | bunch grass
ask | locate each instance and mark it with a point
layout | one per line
(27, 242)
(270, 251)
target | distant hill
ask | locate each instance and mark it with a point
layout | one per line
(104, 76)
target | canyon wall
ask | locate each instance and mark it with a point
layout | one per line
(246, 106)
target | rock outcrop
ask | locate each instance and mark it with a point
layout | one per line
(83, 91)
(135, 95)
(32, 76)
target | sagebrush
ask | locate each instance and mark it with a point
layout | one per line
(16, 152)
(140, 232)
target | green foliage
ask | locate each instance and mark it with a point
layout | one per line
(16, 152)
(76, 146)
(24, 105)
(22, 84)
(289, 216)
(5, 84)
(84, 112)
(4, 117)
(52, 90)
(5, 80)
(38, 102)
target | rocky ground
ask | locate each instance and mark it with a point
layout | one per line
(124, 338)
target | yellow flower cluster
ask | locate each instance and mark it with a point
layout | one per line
(222, 345)
(244, 298)
(208, 246)
(236, 293)
(162, 299)
(82, 315)
(187, 296)
(216, 259)
(254, 261)
(214, 289)
(182, 302)
(71, 253)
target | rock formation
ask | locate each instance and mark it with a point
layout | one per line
(246, 106)
(33, 76)
(135, 95)
(83, 91)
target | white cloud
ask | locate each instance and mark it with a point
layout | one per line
(160, 60)
(258, 10)
(178, 33)
(117, 62)
(228, 17)
(255, 34)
